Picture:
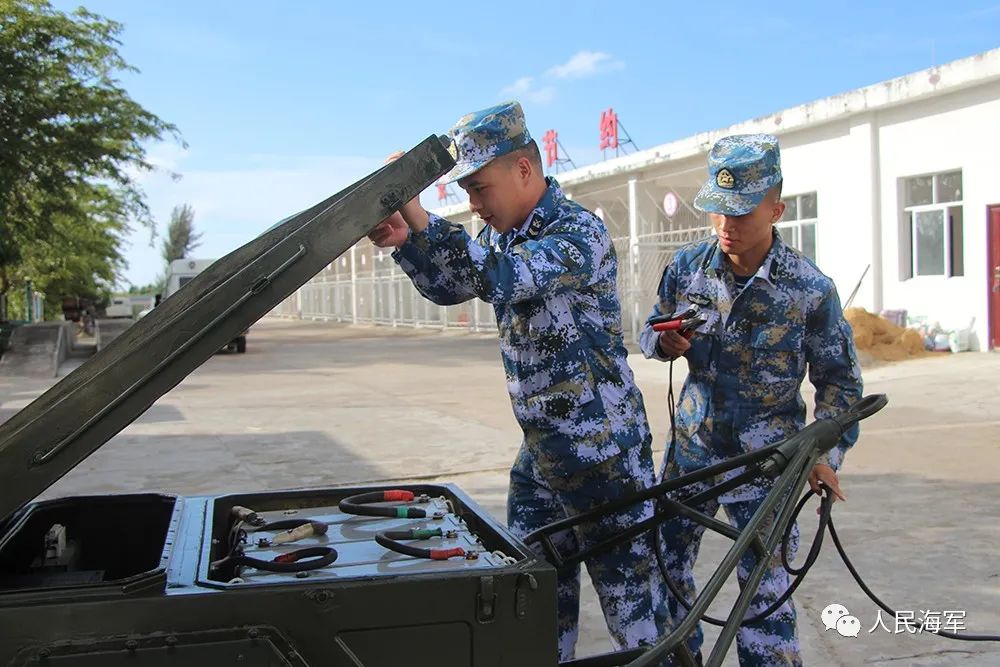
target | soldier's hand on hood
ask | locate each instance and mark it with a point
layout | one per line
(412, 213)
(391, 232)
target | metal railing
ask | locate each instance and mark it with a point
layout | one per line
(365, 286)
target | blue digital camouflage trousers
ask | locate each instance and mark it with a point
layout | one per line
(768, 643)
(628, 584)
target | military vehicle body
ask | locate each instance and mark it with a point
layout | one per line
(157, 579)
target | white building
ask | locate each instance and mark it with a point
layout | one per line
(901, 179)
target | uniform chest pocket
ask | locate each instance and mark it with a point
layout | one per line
(560, 402)
(559, 414)
(777, 352)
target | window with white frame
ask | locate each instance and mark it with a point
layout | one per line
(932, 223)
(798, 223)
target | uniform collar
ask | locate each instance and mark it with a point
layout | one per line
(545, 211)
(770, 269)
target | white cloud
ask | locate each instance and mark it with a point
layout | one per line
(541, 95)
(167, 155)
(164, 157)
(519, 87)
(584, 64)
(524, 89)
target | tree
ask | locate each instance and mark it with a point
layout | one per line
(80, 256)
(181, 238)
(149, 288)
(71, 142)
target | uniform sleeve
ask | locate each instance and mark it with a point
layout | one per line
(448, 266)
(833, 370)
(666, 305)
(433, 280)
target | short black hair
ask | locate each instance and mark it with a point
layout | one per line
(775, 190)
(531, 152)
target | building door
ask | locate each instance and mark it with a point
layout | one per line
(993, 239)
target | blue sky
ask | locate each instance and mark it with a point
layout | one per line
(284, 103)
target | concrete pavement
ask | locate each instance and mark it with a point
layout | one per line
(315, 404)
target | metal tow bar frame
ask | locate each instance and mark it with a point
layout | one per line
(788, 462)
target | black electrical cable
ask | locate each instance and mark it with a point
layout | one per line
(874, 598)
(671, 411)
(360, 504)
(300, 560)
(398, 547)
(390, 540)
(825, 523)
(237, 534)
(799, 573)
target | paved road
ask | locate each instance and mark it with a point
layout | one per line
(314, 404)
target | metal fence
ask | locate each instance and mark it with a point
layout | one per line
(365, 286)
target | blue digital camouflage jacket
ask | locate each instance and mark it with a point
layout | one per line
(552, 284)
(747, 362)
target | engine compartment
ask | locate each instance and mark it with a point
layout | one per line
(87, 541)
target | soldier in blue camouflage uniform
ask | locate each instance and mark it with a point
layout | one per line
(771, 314)
(548, 267)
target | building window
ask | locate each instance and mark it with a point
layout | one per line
(798, 223)
(932, 225)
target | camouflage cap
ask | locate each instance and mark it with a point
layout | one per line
(482, 136)
(741, 169)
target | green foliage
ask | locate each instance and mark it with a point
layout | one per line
(72, 142)
(181, 238)
(149, 288)
(81, 254)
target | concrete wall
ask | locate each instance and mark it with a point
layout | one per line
(106, 330)
(833, 161)
(852, 150)
(957, 131)
(855, 166)
(37, 349)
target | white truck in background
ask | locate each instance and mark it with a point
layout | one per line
(180, 273)
(118, 307)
